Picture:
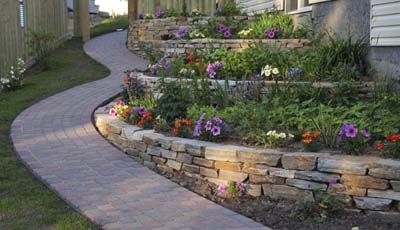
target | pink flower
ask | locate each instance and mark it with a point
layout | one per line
(222, 188)
(113, 112)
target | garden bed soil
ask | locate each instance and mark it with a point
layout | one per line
(286, 214)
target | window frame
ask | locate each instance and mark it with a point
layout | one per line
(299, 10)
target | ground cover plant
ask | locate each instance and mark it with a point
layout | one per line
(296, 114)
(110, 25)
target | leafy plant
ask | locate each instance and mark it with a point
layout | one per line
(14, 78)
(229, 9)
(40, 45)
(327, 125)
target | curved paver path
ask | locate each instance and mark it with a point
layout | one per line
(56, 139)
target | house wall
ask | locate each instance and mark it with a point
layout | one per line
(344, 17)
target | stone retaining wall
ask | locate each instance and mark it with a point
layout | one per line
(148, 33)
(365, 183)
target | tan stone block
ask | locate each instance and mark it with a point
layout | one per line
(388, 194)
(287, 192)
(213, 173)
(184, 158)
(230, 166)
(255, 169)
(253, 190)
(168, 154)
(232, 176)
(278, 172)
(395, 185)
(364, 182)
(174, 165)
(299, 161)
(191, 168)
(307, 185)
(269, 157)
(257, 179)
(349, 190)
(342, 165)
(369, 203)
(317, 176)
(159, 160)
(203, 162)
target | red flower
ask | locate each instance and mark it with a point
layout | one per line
(126, 79)
(380, 146)
(190, 57)
(175, 132)
(393, 137)
(199, 59)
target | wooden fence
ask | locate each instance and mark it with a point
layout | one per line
(205, 6)
(40, 15)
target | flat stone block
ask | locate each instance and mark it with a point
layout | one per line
(257, 179)
(349, 190)
(154, 151)
(232, 176)
(385, 168)
(203, 162)
(299, 161)
(174, 165)
(159, 160)
(287, 192)
(342, 165)
(191, 168)
(388, 194)
(253, 190)
(307, 185)
(255, 169)
(395, 185)
(230, 166)
(269, 156)
(184, 158)
(364, 182)
(317, 176)
(278, 172)
(369, 203)
(213, 173)
(222, 153)
(152, 139)
(168, 154)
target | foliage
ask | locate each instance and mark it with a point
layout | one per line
(168, 13)
(233, 190)
(391, 146)
(281, 21)
(25, 202)
(353, 140)
(110, 25)
(40, 45)
(230, 8)
(182, 128)
(14, 78)
(174, 101)
(311, 140)
(133, 87)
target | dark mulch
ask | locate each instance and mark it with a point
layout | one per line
(285, 214)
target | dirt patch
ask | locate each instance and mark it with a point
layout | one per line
(285, 214)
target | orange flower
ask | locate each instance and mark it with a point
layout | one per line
(177, 124)
(141, 123)
(187, 122)
(175, 132)
(306, 134)
(380, 146)
(316, 134)
(393, 137)
(127, 111)
(307, 140)
(126, 79)
(148, 116)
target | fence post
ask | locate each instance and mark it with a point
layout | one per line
(132, 10)
(84, 20)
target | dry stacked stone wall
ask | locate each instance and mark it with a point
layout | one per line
(148, 33)
(363, 182)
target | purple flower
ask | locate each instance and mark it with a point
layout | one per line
(294, 72)
(208, 125)
(218, 121)
(334, 182)
(216, 131)
(365, 133)
(166, 66)
(153, 70)
(227, 34)
(219, 64)
(159, 13)
(183, 31)
(222, 188)
(270, 34)
(142, 111)
(240, 186)
(197, 129)
(141, 16)
(222, 28)
(351, 131)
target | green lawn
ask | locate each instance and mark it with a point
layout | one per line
(25, 203)
(109, 25)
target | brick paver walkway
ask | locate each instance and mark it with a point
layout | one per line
(56, 140)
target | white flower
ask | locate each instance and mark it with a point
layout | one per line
(5, 80)
(275, 71)
(183, 71)
(282, 135)
(291, 136)
(192, 72)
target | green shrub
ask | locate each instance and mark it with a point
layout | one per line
(40, 45)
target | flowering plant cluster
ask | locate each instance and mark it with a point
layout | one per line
(276, 139)
(271, 33)
(159, 13)
(184, 33)
(270, 72)
(232, 190)
(225, 30)
(14, 79)
(212, 129)
(213, 67)
(352, 140)
(120, 110)
(294, 73)
(245, 33)
(311, 140)
(391, 146)
(182, 128)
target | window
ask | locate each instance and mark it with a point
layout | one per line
(297, 6)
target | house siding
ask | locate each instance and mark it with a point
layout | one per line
(256, 6)
(385, 23)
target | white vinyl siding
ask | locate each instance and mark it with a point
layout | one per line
(256, 6)
(385, 23)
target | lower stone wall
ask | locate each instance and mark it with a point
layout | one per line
(365, 183)
(190, 46)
